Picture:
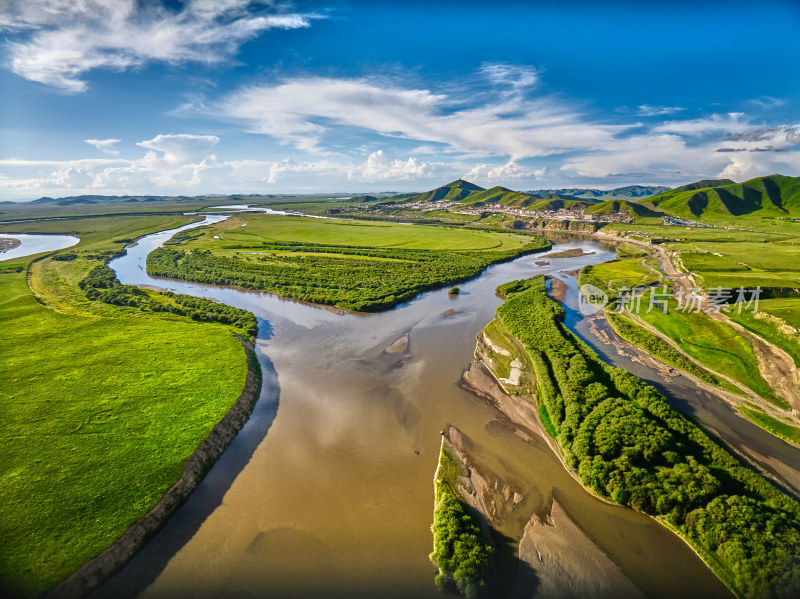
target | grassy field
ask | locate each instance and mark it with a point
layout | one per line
(256, 228)
(658, 348)
(732, 258)
(101, 407)
(619, 274)
(777, 321)
(352, 264)
(714, 344)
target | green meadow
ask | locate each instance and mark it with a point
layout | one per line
(246, 229)
(352, 264)
(777, 321)
(714, 344)
(102, 405)
(620, 274)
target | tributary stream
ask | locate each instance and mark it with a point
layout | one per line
(327, 491)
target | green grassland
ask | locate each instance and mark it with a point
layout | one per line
(620, 274)
(777, 330)
(662, 350)
(336, 232)
(629, 446)
(712, 343)
(355, 265)
(102, 405)
(729, 258)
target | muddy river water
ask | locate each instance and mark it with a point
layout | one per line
(327, 491)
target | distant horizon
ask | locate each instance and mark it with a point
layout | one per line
(348, 96)
(331, 193)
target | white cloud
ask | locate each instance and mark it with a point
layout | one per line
(647, 110)
(379, 167)
(69, 38)
(492, 174)
(304, 111)
(181, 148)
(104, 145)
(716, 123)
(515, 76)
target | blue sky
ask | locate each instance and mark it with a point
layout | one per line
(234, 96)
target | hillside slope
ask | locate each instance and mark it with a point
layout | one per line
(770, 196)
(452, 192)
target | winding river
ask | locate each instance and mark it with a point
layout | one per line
(327, 490)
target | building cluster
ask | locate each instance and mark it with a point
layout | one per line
(517, 212)
(562, 214)
(674, 221)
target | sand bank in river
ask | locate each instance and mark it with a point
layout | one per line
(564, 562)
(557, 559)
(572, 253)
(9, 243)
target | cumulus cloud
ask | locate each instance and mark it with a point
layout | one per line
(64, 39)
(379, 167)
(104, 145)
(181, 148)
(491, 174)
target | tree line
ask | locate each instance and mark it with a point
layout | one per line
(101, 284)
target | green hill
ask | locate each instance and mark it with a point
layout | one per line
(633, 208)
(628, 192)
(703, 184)
(555, 201)
(496, 195)
(770, 196)
(452, 192)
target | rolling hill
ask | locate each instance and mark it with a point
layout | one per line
(629, 192)
(770, 196)
(452, 192)
(634, 209)
(709, 200)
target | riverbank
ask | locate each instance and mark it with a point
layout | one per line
(98, 570)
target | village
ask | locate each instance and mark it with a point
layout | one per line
(388, 208)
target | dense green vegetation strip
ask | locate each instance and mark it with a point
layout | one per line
(459, 551)
(354, 278)
(102, 284)
(629, 446)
